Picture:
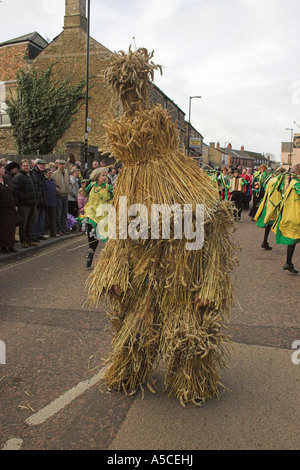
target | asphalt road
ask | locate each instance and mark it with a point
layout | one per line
(51, 395)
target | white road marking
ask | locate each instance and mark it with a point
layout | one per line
(13, 444)
(63, 400)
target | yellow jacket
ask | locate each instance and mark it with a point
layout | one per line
(272, 199)
(98, 195)
(288, 220)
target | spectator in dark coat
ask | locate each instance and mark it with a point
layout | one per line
(12, 169)
(8, 207)
(74, 188)
(87, 173)
(26, 191)
(39, 178)
(51, 203)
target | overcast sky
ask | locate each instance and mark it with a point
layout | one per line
(240, 56)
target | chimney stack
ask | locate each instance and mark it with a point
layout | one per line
(229, 146)
(242, 148)
(218, 145)
(75, 16)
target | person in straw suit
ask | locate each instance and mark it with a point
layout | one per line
(168, 300)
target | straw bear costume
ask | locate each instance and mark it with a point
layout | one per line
(154, 315)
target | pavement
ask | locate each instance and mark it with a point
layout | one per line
(259, 407)
(23, 252)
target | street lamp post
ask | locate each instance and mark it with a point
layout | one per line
(189, 125)
(87, 86)
(226, 163)
(291, 147)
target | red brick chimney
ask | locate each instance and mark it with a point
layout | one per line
(242, 148)
(218, 145)
(75, 16)
(229, 146)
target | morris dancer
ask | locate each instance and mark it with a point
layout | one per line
(269, 207)
(237, 192)
(258, 188)
(287, 225)
(99, 192)
(224, 183)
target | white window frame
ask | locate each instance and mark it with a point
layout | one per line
(3, 103)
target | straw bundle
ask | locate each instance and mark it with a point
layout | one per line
(129, 76)
(156, 315)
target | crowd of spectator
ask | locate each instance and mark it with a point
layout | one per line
(41, 198)
(44, 196)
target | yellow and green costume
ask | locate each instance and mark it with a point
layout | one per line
(287, 224)
(268, 209)
(102, 194)
(224, 182)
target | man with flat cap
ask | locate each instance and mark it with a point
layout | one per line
(63, 188)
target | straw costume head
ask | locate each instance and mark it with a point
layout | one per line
(154, 314)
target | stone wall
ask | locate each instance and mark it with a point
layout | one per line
(68, 54)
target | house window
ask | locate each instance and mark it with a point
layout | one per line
(4, 117)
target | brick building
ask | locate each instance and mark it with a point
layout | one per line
(15, 54)
(290, 152)
(68, 51)
(220, 156)
(195, 144)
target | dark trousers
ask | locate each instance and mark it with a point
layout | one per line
(237, 199)
(246, 201)
(289, 254)
(28, 215)
(267, 232)
(93, 242)
(51, 220)
(61, 213)
(73, 208)
(39, 224)
(256, 200)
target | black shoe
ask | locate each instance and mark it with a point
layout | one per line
(12, 249)
(89, 256)
(290, 268)
(36, 240)
(266, 246)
